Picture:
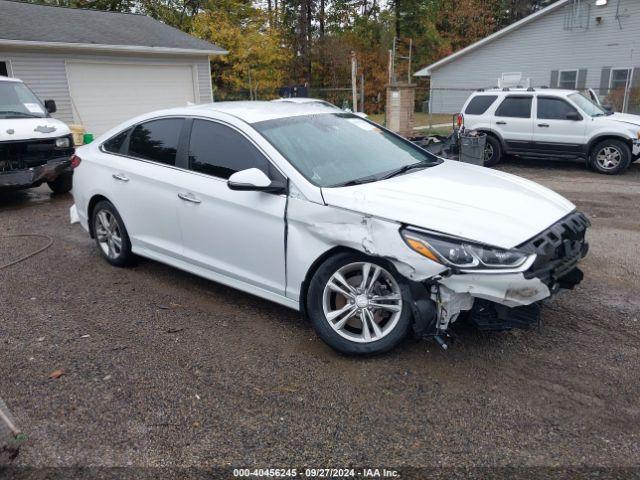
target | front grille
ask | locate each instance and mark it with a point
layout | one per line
(558, 248)
(29, 153)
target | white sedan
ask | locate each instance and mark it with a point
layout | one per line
(319, 210)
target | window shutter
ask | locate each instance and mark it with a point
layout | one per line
(635, 80)
(604, 81)
(554, 79)
(582, 78)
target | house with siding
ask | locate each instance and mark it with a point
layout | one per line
(102, 68)
(575, 44)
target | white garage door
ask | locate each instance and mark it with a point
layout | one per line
(105, 94)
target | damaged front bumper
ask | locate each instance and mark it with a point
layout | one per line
(34, 176)
(498, 301)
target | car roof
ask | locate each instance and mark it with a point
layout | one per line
(539, 90)
(258, 111)
(298, 100)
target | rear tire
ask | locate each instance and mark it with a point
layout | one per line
(376, 314)
(62, 184)
(492, 151)
(610, 157)
(111, 235)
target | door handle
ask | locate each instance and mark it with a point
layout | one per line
(543, 125)
(189, 197)
(501, 123)
(120, 177)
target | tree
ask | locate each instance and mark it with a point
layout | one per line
(124, 6)
(255, 64)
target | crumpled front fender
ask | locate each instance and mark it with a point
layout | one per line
(314, 229)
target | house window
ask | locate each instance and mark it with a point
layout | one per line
(568, 79)
(4, 69)
(619, 78)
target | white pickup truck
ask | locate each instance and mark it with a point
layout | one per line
(34, 148)
(552, 123)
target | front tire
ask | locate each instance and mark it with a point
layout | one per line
(359, 305)
(610, 157)
(492, 151)
(111, 235)
(62, 184)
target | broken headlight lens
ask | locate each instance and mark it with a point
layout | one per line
(459, 253)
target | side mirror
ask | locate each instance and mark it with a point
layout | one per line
(361, 114)
(253, 179)
(50, 106)
(608, 108)
(575, 116)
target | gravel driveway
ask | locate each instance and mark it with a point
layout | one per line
(162, 368)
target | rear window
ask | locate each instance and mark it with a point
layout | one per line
(515, 107)
(114, 144)
(478, 105)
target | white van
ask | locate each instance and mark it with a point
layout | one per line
(34, 148)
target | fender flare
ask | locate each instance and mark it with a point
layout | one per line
(601, 136)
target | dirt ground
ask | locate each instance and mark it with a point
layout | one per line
(162, 368)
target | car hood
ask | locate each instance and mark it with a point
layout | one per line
(467, 201)
(31, 128)
(622, 118)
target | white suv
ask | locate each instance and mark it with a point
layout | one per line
(552, 123)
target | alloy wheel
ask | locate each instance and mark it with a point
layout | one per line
(488, 152)
(362, 302)
(609, 157)
(108, 234)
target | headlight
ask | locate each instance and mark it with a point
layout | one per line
(461, 254)
(63, 142)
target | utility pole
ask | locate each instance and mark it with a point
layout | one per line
(362, 92)
(354, 81)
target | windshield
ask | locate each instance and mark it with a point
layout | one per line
(587, 105)
(17, 101)
(333, 150)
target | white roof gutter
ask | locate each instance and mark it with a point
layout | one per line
(426, 71)
(109, 48)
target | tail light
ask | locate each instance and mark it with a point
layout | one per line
(75, 161)
(460, 120)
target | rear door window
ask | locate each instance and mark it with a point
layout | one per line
(515, 107)
(480, 104)
(156, 140)
(553, 108)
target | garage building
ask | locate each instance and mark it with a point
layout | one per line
(102, 68)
